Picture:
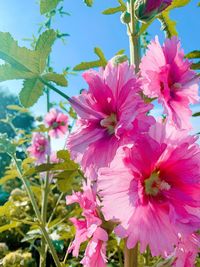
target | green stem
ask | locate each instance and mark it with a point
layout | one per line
(38, 215)
(45, 193)
(134, 39)
(131, 255)
(55, 89)
(54, 210)
(73, 102)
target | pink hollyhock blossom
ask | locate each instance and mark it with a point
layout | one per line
(39, 148)
(187, 251)
(58, 123)
(112, 112)
(145, 10)
(90, 229)
(154, 185)
(167, 75)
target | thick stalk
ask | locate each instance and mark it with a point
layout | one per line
(45, 190)
(38, 215)
(134, 39)
(131, 255)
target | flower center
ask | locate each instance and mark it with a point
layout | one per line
(41, 148)
(55, 125)
(109, 123)
(153, 185)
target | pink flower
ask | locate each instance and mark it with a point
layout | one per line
(145, 10)
(167, 75)
(112, 111)
(187, 251)
(154, 185)
(58, 123)
(39, 148)
(90, 229)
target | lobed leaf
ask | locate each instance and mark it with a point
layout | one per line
(31, 91)
(195, 66)
(59, 79)
(19, 58)
(178, 3)
(48, 5)
(197, 114)
(9, 226)
(144, 27)
(93, 64)
(113, 10)
(43, 47)
(193, 54)
(89, 2)
(17, 108)
(6, 146)
(66, 180)
(9, 175)
(168, 25)
(7, 72)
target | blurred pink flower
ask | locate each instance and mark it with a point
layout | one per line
(112, 112)
(187, 251)
(145, 10)
(89, 228)
(39, 148)
(154, 185)
(167, 75)
(58, 123)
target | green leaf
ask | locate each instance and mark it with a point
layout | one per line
(65, 156)
(178, 3)
(197, 114)
(66, 165)
(120, 52)
(72, 113)
(196, 66)
(41, 129)
(20, 58)
(32, 235)
(5, 209)
(43, 46)
(9, 226)
(48, 5)
(17, 108)
(67, 181)
(199, 4)
(168, 25)
(6, 146)
(89, 2)
(101, 56)
(31, 91)
(113, 10)
(93, 64)
(144, 27)
(7, 72)
(193, 54)
(9, 175)
(87, 65)
(59, 79)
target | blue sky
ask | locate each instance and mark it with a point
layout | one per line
(87, 28)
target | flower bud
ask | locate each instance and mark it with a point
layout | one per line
(125, 17)
(118, 59)
(145, 10)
